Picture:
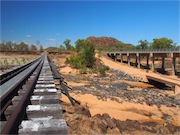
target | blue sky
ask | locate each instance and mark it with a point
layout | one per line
(52, 22)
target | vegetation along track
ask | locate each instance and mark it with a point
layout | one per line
(30, 101)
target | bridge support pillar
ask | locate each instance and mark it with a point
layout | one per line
(177, 90)
(163, 60)
(121, 58)
(173, 64)
(115, 57)
(138, 60)
(147, 61)
(152, 57)
(128, 59)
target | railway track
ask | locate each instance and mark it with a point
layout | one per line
(30, 101)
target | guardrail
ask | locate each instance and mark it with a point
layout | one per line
(162, 50)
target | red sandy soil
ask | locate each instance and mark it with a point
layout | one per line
(126, 110)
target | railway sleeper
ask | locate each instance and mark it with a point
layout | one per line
(53, 126)
(45, 82)
(45, 99)
(45, 86)
(46, 91)
(44, 110)
(45, 79)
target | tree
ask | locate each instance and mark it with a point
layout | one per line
(86, 52)
(119, 46)
(9, 46)
(2, 47)
(62, 47)
(143, 45)
(24, 47)
(164, 42)
(79, 44)
(67, 44)
(38, 44)
(33, 48)
(41, 48)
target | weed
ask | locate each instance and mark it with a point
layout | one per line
(12, 62)
(17, 61)
(23, 60)
(6, 63)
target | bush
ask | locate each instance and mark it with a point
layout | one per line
(23, 60)
(6, 63)
(12, 62)
(85, 56)
(102, 70)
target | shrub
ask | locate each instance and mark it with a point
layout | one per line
(102, 70)
(23, 60)
(107, 68)
(17, 61)
(12, 62)
(85, 56)
(6, 63)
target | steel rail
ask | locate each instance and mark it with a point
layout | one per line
(8, 75)
(15, 119)
(5, 99)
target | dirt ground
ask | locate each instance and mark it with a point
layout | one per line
(121, 110)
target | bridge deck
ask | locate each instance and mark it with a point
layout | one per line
(174, 83)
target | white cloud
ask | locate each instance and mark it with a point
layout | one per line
(51, 39)
(28, 36)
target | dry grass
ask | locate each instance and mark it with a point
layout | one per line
(10, 60)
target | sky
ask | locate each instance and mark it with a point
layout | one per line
(52, 22)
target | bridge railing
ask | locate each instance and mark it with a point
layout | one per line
(167, 50)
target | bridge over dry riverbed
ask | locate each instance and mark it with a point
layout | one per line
(151, 56)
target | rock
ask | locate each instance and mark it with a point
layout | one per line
(103, 128)
(110, 123)
(160, 129)
(113, 131)
(148, 102)
(105, 123)
(106, 87)
(69, 109)
(172, 129)
(83, 111)
(177, 102)
(128, 125)
(105, 115)
(98, 116)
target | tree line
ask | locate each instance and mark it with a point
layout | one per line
(21, 47)
(158, 43)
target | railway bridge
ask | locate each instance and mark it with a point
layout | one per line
(151, 56)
